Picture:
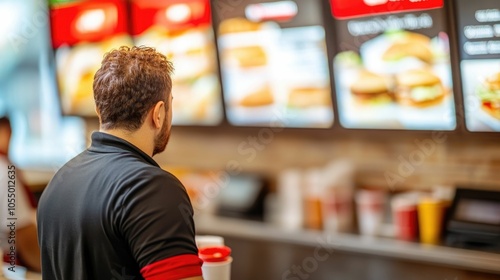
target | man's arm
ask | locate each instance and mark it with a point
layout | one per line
(174, 268)
(193, 278)
(27, 246)
(156, 219)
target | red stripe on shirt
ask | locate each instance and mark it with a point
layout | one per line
(173, 268)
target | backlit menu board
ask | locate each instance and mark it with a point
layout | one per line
(392, 67)
(479, 45)
(182, 30)
(273, 63)
(82, 32)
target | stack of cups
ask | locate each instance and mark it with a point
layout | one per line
(312, 199)
(337, 196)
(216, 257)
(370, 208)
(289, 190)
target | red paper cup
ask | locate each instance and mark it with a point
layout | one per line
(404, 209)
(216, 262)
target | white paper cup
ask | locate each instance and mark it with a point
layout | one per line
(217, 270)
(370, 206)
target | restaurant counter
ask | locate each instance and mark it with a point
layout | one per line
(389, 254)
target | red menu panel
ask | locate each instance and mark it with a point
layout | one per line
(87, 21)
(342, 9)
(174, 14)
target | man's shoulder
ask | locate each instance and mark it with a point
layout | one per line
(155, 174)
(155, 181)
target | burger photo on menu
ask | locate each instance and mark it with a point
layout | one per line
(481, 89)
(408, 44)
(393, 71)
(488, 93)
(372, 89)
(401, 76)
(400, 50)
(419, 88)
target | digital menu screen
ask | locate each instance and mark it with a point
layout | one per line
(273, 61)
(182, 30)
(392, 66)
(479, 46)
(82, 32)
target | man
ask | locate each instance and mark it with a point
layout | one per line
(26, 250)
(112, 212)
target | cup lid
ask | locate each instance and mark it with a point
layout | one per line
(214, 254)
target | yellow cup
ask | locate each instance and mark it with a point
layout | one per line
(430, 219)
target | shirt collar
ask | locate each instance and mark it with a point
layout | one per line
(107, 143)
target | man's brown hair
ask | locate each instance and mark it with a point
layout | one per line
(128, 84)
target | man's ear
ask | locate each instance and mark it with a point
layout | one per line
(97, 112)
(158, 112)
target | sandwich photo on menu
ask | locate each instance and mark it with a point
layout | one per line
(392, 70)
(408, 44)
(371, 88)
(419, 88)
(249, 61)
(82, 32)
(274, 66)
(246, 59)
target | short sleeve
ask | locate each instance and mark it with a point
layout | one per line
(156, 219)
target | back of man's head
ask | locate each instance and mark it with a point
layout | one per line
(128, 84)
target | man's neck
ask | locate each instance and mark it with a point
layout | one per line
(137, 138)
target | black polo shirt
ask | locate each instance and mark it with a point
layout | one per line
(111, 211)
